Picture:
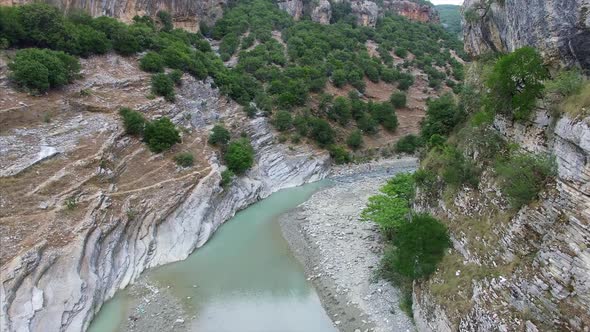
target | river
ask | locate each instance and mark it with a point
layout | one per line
(244, 279)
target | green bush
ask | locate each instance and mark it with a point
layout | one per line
(516, 81)
(152, 62)
(340, 111)
(133, 121)
(339, 154)
(391, 208)
(320, 131)
(39, 70)
(176, 76)
(458, 170)
(355, 140)
(184, 159)
(408, 144)
(226, 177)
(523, 176)
(165, 20)
(219, 135)
(239, 156)
(419, 246)
(162, 85)
(283, 120)
(398, 99)
(442, 115)
(160, 135)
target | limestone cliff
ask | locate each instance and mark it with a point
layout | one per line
(560, 29)
(367, 12)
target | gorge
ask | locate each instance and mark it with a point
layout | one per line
(87, 207)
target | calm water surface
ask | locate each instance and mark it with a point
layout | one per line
(246, 278)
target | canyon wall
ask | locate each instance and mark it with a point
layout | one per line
(559, 29)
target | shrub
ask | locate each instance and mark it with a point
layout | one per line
(42, 25)
(162, 85)
(578, 105)
(340, 111)
(184, 159)
(420, 246)
(516, 82)
(176, 76)
(219, 135)
(239, 156)
(566, 83)
(39, 70)
(125, 42)
(339, 154)
(152, 62)
(523, 176)
(321, 131)
(391, 208)
(367, 124)
(283, 120)
(300, 124)
(339, 78)
(458, 170)
(355, 140)
(160, 135)
(226, 177)
(405, 83)
(408, 144)
(398, 99)
(133, 121)
(166, 20)
(442, 115)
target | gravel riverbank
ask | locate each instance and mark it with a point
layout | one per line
(340, 254)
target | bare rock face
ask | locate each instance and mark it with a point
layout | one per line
(559, 29)
(322, 13)
(366, 12)
(412, 10)
(292, 7)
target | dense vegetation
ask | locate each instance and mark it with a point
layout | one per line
(450, 18)
(38, 70)
(417, 242)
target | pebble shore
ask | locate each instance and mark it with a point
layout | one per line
(341, 254)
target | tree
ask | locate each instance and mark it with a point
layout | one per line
(219, 135)
(339, 78)
(162, 85)
(355, 140)
(442, 115)
(420, 245)
(398, 99)
(133, 121)
(340, 111)
(283, 120)
(239, 156)
(40, 69)
(152, 62)
(408, 144)
(339, 154)
(166, 20)
(516, 81)
(43, 25)
(161, 135)
(321, 131)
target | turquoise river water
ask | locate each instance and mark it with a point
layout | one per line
(246, 278)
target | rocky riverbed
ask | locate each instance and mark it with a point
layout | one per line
(341, 254)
